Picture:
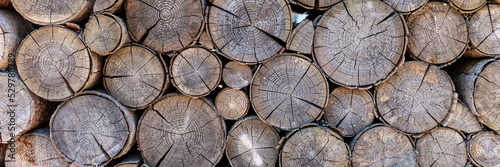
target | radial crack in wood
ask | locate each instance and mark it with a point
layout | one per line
(484, 149)
(48, 12)
(484, 31)
(463, 119)
(406, 6)
(442, 147)
(301, 39)
(232, 104)
(111, 6)
(105, 33)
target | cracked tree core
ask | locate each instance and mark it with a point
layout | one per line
(416, 98)
(485, 95)
(104, 34)
(442, 147)
(406, 6)
(47, 12)
(484, 149)
(288, 91)
(54, 63)
(250, 31)
(359, 43)
(181, 131)
(484, 29)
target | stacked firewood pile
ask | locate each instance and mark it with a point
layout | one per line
(249, 83)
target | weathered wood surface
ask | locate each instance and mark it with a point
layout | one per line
(315, 146)
(232, 104)
(356, 49)
(13, 29)
(181, 130)
(251, 142)
(301, 39)
(135, 76)
(206, 41)
(315, 4)
(111, 6)
(406, 6)
(484, 149)
(236, 75)
(416, 98)
(467, 6)
(105, 33)
(164, 25)
(55, 64)
(92, 129)
(438, 34)
(350, 110)
(48, 12)
(484, 25)
(442, 147)
(289, 91)
(461, 118)
(242, 33)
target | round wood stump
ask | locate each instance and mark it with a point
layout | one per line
(438, 34)
(252, 142)
(164, 25)
(442, 147)
(302, 37)
(111, 6)
(22, 110)
(232, 104)
(236, 75)
(406, 6)
(54, 63)
(288, 91)
(315, 146)
(468, 6)
(484, 149)
(315, 4)
(92, 129)
(196, 71)
(105, 33)
(48, 12)
(36, 149)
(13, 29)
(135, 76)
(357, 49)
(181, 130)
(484, 25)
(416, 98)
(250, 31)
(381, 145)
(461, 118)
(350, 110)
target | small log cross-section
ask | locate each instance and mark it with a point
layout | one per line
(438, 34)
(288, 91)
(236, 75)
(13, 29)
(180, 130)
(48, 12)
(462, 119)
(164, 25)
(467, 6)
(232, 104)
(406, 6)
(105, 34)
(350, 110)
(302, 37)
(22, 111)
(381, 145)
(250, 31)
(252, 142)
(111, 6)
(92, 128)
(359, 43)
(416, 98)
(36, 149)
(315, 4)
(315, 146)
(484, 149)
(135, 76)
(54, 63)
(196, 71)
(483, 30)
(442, 147)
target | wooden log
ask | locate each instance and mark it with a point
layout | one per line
(314, 4)
(416, 98)
(314, 146)
(236, 75)
(132, 160)
(111, 6)
(484, 149)
(288, 91)
(477, 86)
(36, 149)
(92, 128)
(232, 104)
(381, 145)
(206, 41)
(105, 33)
(438, 34)
(301, 39)
(406, 6)
(164, 25)
(135, 76)
(13, 29)
(196, 71)
(48, 12)
(355, 52)
(181, 130)
(469, 6)
(442, 147)
(242, 33)
(484, 24)
(461, 118)
(251, 142)
(22, 110)
(350, 110)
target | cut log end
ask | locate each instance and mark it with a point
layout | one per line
(111, 6)
(463, 119)
(484, 24)
(469, 6)
(442, 147)
(232, 104)
(406, 6)
(484, 149)
(236, 75)
(301, 39)
(13, 29)
(47, 12)
(105, 34)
